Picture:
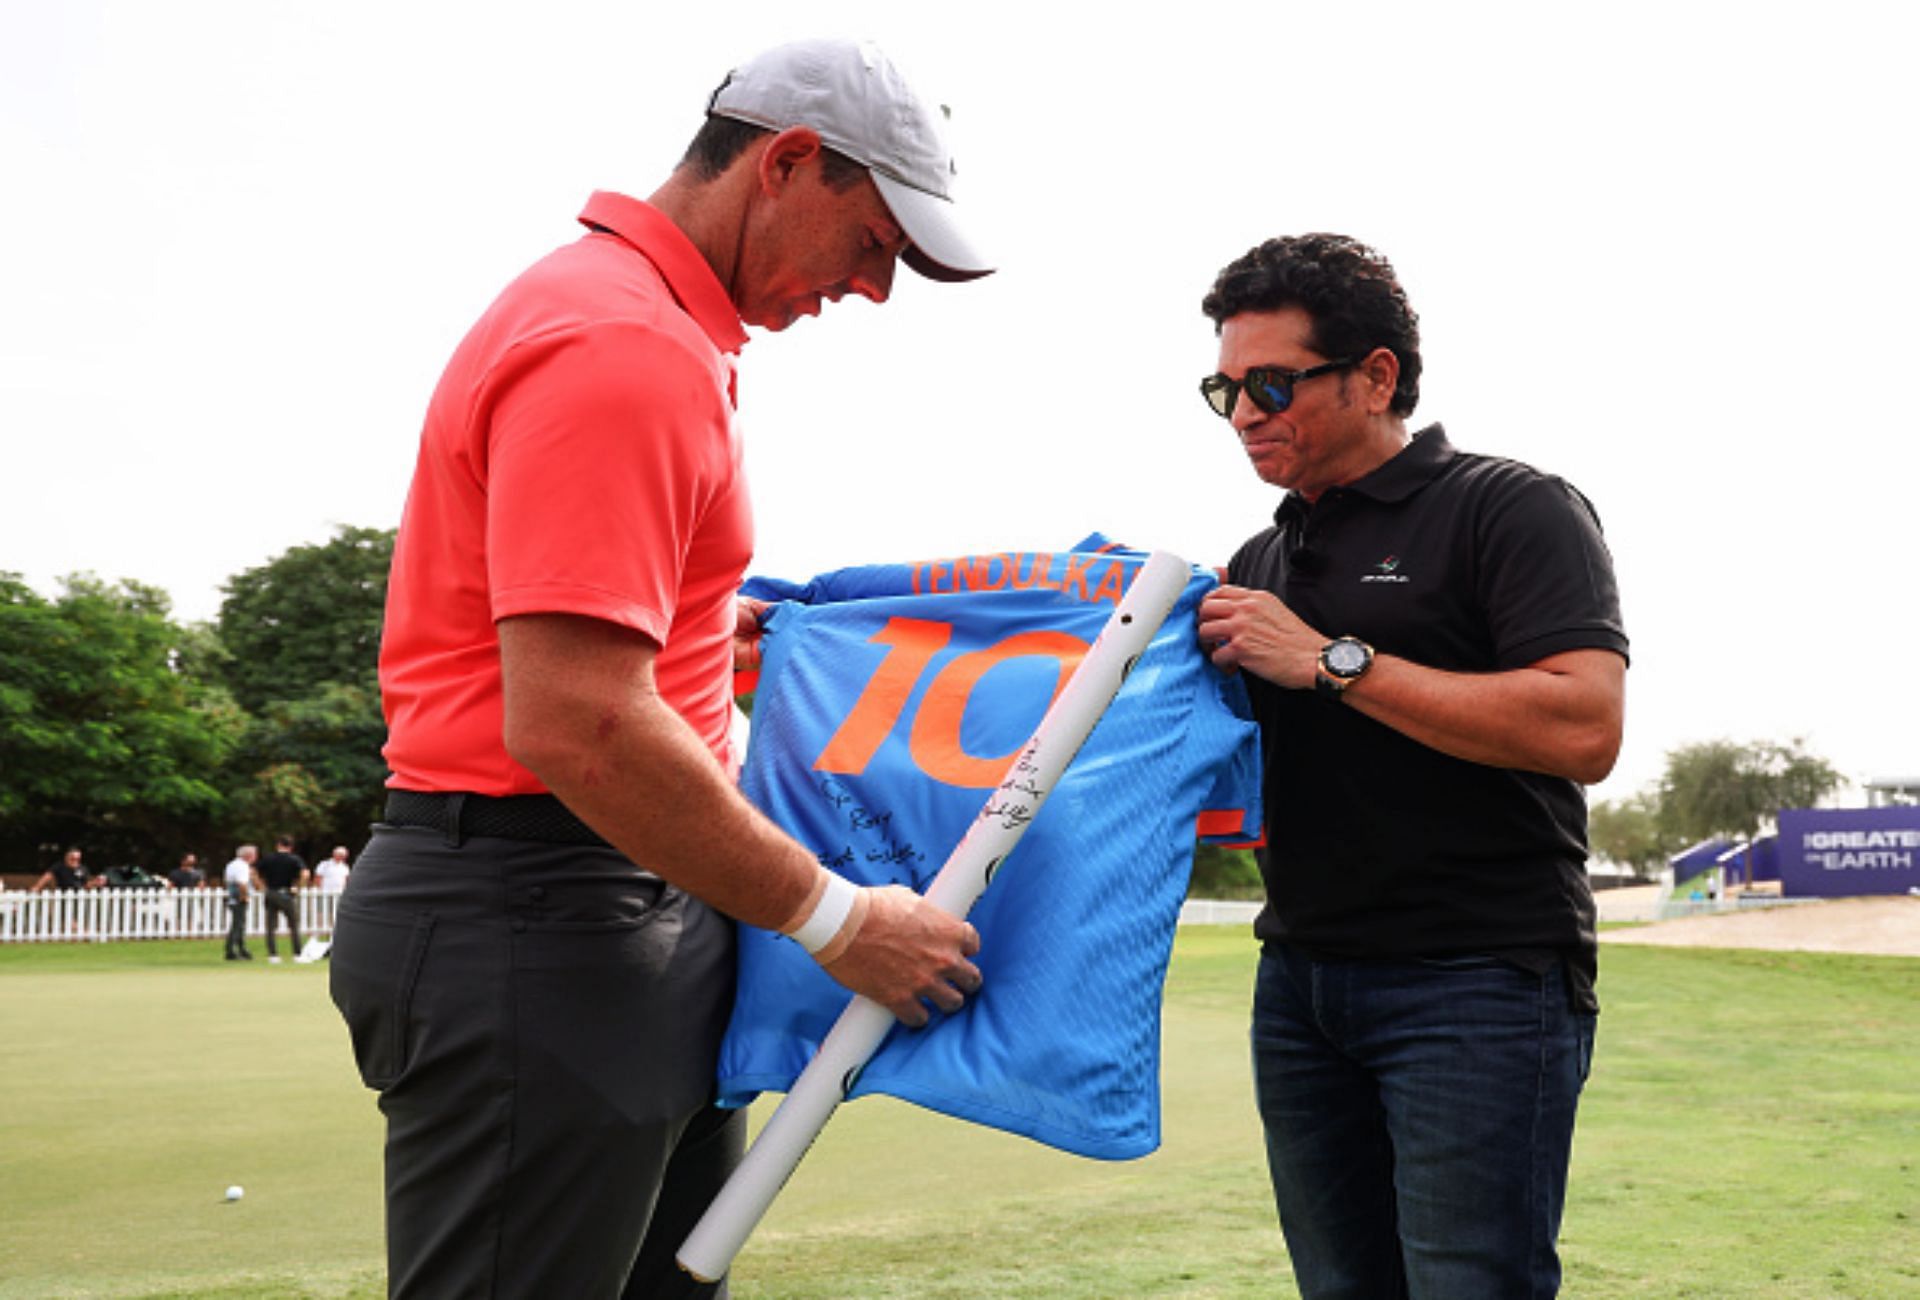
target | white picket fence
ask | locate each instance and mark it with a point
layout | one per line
(104, 915)
(1218, 911)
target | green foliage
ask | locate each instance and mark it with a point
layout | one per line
(137, 738)
(308, 618)
(313, 766)
(299, 644)
(1720, 788)
(1629, 832)
(1713, 789)
(1224, 873)
(103, 732)
(279, 799)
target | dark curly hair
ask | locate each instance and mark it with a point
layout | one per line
(1349, 291)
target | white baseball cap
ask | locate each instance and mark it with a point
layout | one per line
(857, 100)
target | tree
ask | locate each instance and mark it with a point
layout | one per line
(1629, 832)
(326, 746)
(1224, 873)
(104, 737)
(299, 645)
(309, 617)
(279, 799)
(1720, 788)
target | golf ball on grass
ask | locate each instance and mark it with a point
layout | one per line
(235, 1192)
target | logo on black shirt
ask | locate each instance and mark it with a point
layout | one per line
(1386, 571)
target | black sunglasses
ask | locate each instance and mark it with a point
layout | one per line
(1270, 387)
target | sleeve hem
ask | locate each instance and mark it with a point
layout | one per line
(593, 602)
(1534, 649)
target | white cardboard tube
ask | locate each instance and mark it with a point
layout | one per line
(709, 1249)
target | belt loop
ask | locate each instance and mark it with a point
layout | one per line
(455, 802)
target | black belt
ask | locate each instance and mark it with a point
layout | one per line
(538, 817)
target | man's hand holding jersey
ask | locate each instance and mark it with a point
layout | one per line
(1253, 630)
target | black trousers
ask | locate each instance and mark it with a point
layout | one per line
(279, 903)
(542, 1023)
(236, 926)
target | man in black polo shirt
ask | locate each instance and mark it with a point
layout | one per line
(188, 874)
(66, 875)
(280, 873)
(1433, 645)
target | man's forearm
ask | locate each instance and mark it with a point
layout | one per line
(1560, 716)
(636, 772)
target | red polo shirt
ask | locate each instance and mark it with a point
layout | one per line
(578, 457)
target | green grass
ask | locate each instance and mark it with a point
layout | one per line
(143, 1079)
(1752, 1129)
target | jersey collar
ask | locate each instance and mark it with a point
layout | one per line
(688, 276)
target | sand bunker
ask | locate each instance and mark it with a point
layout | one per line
(1885, 926)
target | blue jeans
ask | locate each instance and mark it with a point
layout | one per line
(1419, 1119)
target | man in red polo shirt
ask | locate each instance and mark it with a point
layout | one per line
(536, 961)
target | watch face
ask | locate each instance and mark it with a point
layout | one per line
(1346, 658)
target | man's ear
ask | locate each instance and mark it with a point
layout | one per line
(1381, 369)
(785, 154)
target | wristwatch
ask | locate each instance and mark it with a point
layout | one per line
(1343, 661)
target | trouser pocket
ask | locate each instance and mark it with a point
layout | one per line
(376, 966)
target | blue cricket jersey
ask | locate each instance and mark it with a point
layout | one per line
(891, 701)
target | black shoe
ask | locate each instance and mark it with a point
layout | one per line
(233, 956)
(245, 955)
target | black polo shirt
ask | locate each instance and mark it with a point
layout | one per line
(281, 871)
(1378, 846)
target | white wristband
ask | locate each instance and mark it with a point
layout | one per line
(818, 930)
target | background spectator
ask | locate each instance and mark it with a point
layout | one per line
(188, 874)
(333, 872)
(239, 878)
(68, 873)
(280, 873)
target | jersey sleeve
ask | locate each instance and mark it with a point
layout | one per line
(1545, 576)
(605, 446)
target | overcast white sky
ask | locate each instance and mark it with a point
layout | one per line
(1666, 250)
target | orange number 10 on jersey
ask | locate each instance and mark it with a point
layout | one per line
(934, 740)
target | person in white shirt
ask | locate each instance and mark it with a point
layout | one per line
(239, 878)
(333, 872)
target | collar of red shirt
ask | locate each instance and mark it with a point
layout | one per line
(664, 244)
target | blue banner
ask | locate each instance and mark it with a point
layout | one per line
(1840, 852)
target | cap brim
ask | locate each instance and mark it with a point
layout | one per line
(938, 249)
